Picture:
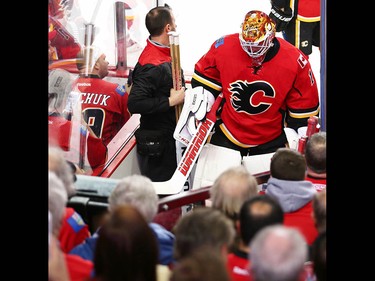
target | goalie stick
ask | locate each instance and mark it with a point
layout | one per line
(191, 154)
(174, 42)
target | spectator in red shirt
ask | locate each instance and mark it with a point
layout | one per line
(78, 268)
(256, 213)
(73, 230)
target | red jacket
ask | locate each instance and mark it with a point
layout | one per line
(79, 269)
(73, 231)
(302, 220)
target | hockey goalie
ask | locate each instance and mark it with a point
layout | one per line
(214, 159)
(267, 84)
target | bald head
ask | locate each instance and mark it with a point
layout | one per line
(278, 253)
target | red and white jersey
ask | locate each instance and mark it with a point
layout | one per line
(319, 183)
(238, 265)
(104, 106)
(257, 99)
(73, 230)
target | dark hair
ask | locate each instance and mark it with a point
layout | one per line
(157, 18)
(315, 152)
(126, 248)
(203, 265)
(288, 164)
(319, 205)
(319, 257)
(202, 227)
(258, 212)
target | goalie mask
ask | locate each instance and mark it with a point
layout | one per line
(257, 32)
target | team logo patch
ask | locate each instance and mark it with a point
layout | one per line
(304, 44)
(251, 98)
(121, 90)
(76, 222)
(219, 42)
(302, 61)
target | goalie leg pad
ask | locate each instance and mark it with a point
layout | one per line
(212, 161)
(258, 165)
(292, 137)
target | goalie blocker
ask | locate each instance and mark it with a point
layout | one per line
(198, 101)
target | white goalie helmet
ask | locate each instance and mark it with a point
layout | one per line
(257, 32)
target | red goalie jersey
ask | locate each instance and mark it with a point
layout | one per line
(259, 100)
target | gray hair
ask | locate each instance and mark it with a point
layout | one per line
(231, 189)
(316, 152)
(136, 190)
(57, 163)
(57, 200)
(278, 253)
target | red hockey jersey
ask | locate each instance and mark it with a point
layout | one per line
(104, 106)
(258, 99)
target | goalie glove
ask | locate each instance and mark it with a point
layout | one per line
(197, 103)
(202, 101)
(281, 18)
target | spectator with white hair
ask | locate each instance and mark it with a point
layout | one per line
(74, 230)
(138, 191)
(78, 268)
(278, 253)
(230, 190)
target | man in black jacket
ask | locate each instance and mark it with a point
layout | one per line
(152, 96)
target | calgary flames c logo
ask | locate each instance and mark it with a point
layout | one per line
(251, 98)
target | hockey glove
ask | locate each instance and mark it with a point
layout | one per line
(197, 103)
(281, 18)
(202, 102)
